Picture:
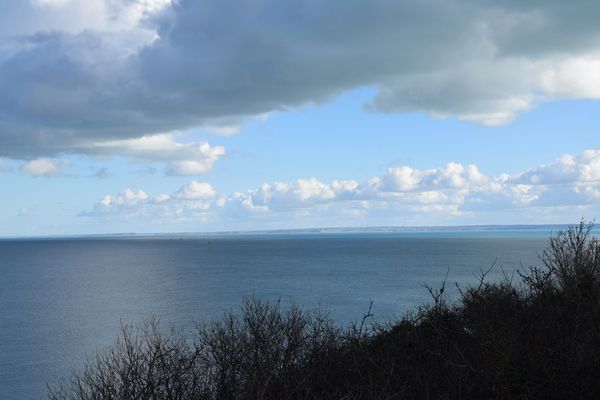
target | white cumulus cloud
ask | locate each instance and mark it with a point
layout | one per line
(43, 167)
(195, 190)
(182, 158)
(402, 195)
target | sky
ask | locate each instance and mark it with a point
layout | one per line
(156, 116)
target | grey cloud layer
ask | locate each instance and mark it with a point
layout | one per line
(213, 62)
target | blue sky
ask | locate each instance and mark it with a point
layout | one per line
(153, 116)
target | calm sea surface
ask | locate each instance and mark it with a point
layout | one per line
(62, 300)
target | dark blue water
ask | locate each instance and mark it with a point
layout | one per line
(61, 300)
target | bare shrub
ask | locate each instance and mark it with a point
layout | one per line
(146, 362)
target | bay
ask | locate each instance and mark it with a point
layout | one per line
(61, 300)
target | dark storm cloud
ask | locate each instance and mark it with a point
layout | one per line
(225, 60)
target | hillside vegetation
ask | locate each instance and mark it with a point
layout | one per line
(536, 336)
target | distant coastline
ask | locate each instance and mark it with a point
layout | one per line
(305, 231)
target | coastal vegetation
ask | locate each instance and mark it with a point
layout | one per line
(531, 335)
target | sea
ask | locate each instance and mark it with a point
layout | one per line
(64, 299)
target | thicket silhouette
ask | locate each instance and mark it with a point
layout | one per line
(532, 337)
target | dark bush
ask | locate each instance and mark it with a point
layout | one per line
(537, 338)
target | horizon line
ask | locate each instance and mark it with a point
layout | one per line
(313, 230)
